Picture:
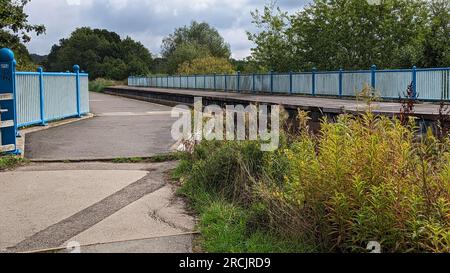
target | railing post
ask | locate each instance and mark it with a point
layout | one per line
(414, 81)
(180, 81)
(290, 82)
(215, 87)
(195, 81)
(225, 79)
(271, 81)
(373, 70)
(204, 82)
(341, 78)
(238, 81)
(76, 69)
(41, 96)
(254, 82)
(314, 70)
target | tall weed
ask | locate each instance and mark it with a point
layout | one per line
(361, 179)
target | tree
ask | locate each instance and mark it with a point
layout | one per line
(185, 53)
(15, 31)
(22, 56)
(206, 65)
(274, 40)
(101, 53)
(437, 39)
(350, 34)
(354, 34)
(247, 66)
(14, 20)
(188, 43)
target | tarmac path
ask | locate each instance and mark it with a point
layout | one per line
(121, 128)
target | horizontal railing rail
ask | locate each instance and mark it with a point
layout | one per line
(432, 84)
(42, 97)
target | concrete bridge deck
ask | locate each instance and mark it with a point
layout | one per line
(325, 105)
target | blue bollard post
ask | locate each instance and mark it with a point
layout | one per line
(76, 69)
(373, 73)
(314, 70)
(8, 103)
(341, 78)
(41, 96)
(414, 81)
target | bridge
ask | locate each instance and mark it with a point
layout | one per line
(77, 188)
(319, 92)
(428, 111)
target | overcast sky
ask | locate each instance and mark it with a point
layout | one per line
(147, 21)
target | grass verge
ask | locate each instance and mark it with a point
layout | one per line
(227, 227)
(153, 159)
(8, 162)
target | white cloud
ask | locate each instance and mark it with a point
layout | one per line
(146, 20)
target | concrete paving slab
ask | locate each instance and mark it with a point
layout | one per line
(31, 201)
(167, 244)
(157, 214)
(47, 205)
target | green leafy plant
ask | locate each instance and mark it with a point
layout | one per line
(98, 85)
(360, 179)
(9, 162)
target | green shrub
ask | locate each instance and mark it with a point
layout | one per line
(100, 84)
(361, 179)
(226, 169)
(9, 162)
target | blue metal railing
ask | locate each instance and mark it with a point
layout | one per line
(45, 96)
(428, 83)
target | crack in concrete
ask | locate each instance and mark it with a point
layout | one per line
(153, 214)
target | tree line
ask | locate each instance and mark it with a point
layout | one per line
(353, 34)
(326, 34)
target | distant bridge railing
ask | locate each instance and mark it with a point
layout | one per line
(428, 83)
(45, 96)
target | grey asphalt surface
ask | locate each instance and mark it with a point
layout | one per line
(121, 128)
